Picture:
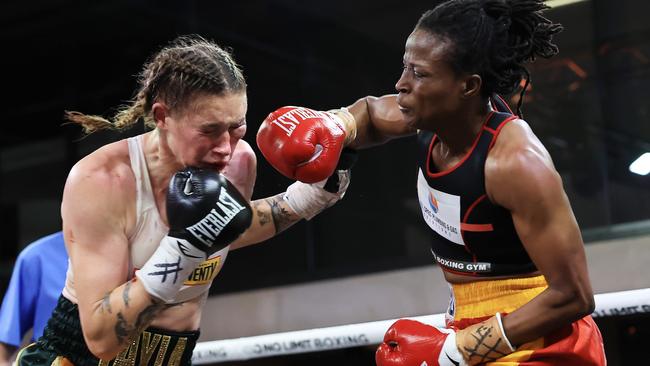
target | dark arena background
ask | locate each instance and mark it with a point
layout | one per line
(368, 258)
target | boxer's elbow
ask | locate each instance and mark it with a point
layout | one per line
(103, 350)
(577, 299)
(102, 345)
(583, 297)
(585, 304)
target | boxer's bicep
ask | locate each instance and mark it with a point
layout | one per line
(532, 191)
(94, 227)
(530, 188)
(111, 309)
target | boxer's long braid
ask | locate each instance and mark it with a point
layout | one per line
(189, 66)
(494, 38)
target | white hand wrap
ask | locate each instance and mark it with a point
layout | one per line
(165, 272)
(503, 333)
(308, 200)
(348, 122)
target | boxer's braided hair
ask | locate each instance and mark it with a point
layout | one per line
(188, 67)
(494, 39)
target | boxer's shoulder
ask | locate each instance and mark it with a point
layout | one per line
(518, 153)
(242, 168)
(107, 169)
(516, 150)
(243, 151)
(516, 137)
(243, 159)
(108, 164)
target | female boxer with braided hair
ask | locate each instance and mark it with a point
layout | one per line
(503, 230)
(148, 221)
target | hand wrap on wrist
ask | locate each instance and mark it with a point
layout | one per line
(349, 124)
(168, 268)
(307, 200)
(484, 342)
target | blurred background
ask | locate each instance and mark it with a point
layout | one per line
(589, 106)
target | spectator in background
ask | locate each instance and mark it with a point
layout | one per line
(36, 283)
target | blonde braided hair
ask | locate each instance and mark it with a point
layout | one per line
(187, 67)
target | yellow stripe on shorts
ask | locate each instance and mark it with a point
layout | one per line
(486, 298)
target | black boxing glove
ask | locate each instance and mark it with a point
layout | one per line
(205, 209)
(205, 213)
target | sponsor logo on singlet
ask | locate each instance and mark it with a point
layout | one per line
(440, 210)
(433, 203)
(204, 273)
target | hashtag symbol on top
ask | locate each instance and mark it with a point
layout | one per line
(168, 269)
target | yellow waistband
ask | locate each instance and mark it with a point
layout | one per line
(486, 298)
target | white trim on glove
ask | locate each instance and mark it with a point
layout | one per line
(449, 354)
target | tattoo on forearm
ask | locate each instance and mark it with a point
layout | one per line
(147, 315)
(106, 303)
(125, 294)
(122, 329)
(125, 331)
(487, 342)
(263, 215)
(281, 217)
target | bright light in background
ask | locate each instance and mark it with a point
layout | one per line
(558, 3)
(641, 165)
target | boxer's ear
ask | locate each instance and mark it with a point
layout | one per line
(160, 113)
(471, 86)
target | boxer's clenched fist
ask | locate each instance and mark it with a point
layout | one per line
(302, 143)
(206, 213)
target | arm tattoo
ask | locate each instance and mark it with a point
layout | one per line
(125, 294)
(487, 343)
(106, 303)
(147, 315)
(263, 215)
(125, 331)
(122, 329)
(281, 217)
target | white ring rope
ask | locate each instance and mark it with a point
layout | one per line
(370, 333)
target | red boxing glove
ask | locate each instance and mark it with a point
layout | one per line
(411, 343)
(302, 143)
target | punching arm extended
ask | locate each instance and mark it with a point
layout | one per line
(272, 215)
(377, 120)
